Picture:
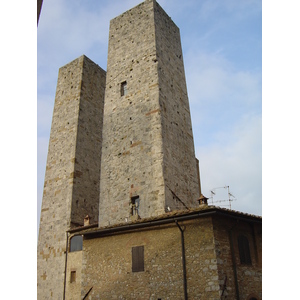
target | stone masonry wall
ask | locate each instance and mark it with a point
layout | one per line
(73, 289)
(132, 137)
(68, 168)
(86, 176)
(249, 277)
(107, 264)
(180, 166)
(148, 146)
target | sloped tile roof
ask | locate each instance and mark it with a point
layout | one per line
(167, 217)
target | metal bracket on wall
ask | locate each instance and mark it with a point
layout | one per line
(87, 293)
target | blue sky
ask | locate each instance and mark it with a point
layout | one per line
(222, 51)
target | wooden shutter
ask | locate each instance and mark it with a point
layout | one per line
(138, 259)
(244, 250)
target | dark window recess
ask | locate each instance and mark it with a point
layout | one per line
(124, 88)
(135, 203)
(76, 243)
(138, 259)
(244, 250)
(73, 276)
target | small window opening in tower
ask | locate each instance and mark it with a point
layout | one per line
(124, 88)
(135, 203)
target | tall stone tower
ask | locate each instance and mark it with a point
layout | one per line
(71, 188)
(148, 158)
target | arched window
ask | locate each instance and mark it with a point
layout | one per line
(76, 243)
(244, 250)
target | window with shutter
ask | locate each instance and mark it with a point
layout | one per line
(244, 250)
(138, 259)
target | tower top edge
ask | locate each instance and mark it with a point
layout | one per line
(155, 6)
(133, 8)
(81, 59)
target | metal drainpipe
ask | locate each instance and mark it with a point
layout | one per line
(65, 277)
(183, 260)
(234, 264)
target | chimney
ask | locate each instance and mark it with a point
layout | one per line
(202, 200)
(86, 221)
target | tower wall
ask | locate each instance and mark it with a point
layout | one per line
(182, 185)
(71, 188)
(146, 127)
(132, 135)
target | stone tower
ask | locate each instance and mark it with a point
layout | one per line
(71, 188)
(148, 158)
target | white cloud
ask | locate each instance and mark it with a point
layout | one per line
(78, 26)
(235, 160)
(219, 94)
(226, 115)
(235, 8)
(213, 78)
(69, 31)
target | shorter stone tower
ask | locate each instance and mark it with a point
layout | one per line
(71, 188)
(148, 158)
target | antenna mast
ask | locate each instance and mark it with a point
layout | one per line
(230, 196)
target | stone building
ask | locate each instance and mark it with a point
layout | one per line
(201, 253)
(120, 215)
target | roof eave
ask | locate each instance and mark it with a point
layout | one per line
(176, 218)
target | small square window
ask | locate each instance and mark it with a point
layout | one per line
(73, 276)
(124, 88)
(138, 259)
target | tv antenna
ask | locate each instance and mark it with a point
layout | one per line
(230, 196)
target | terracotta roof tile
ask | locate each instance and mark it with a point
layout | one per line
(167, 215)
